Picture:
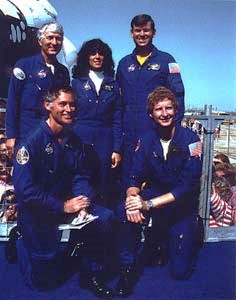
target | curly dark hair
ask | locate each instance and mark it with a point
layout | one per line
(82, 67)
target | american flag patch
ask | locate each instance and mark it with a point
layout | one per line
(195, 149)
(174, 68)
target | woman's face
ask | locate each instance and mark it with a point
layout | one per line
(163, 113)
(96, 61)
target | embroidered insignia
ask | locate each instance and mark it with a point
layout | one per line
(131, 68)
(42, 73)
(174, 68)
(195, 149)
(155, 154)
(22, 156)
(87, 86)
(19, 74)
(154, 67)
(49, 149)
(108, 87)
(138, 145)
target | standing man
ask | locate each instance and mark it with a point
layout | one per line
(31, 78)
(52, 185)
(138, 75)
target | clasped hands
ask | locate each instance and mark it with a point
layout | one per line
(135, 206)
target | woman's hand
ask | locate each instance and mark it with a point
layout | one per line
(135, 216)
(115, 160)
(135, 203)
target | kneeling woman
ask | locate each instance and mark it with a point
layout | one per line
(168, 160)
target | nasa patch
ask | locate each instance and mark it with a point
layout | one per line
(42, 73)
(22, 156)
(131, 68)
(49, 149)
(18, 73)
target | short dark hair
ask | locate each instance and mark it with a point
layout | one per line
(82, 67)
(158, 95)
(54, 92)
(141, 20)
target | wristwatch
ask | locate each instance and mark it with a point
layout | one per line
(149, 204)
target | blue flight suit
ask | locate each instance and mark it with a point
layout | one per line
(180, 175)
(99, 124)
(46, 174)
(29, 82)
(136, 82)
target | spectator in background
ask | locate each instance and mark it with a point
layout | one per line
(8, 203)
(221, 158)
(221, 211)
(227, 171)
(2, 113)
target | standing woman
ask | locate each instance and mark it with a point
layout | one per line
(99, 112)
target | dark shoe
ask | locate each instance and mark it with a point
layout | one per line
(95, 284)
(10, 248)
(127, 281)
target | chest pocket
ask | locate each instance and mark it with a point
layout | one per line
(168, 170)
(71, 159)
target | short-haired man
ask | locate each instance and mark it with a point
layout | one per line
(52, 185)
(138, 74)
(31, 78)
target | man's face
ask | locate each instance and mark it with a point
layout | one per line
(51, 43)
(143, 35)
(3, 152)
(62, 109)
(164, 113)
(5, 172)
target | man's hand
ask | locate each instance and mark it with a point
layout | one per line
(135, 216)
(115, 160)
(76, 204)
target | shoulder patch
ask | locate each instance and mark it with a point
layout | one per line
(19, 73)
(174, 68)
(22, 156)
(195, 149)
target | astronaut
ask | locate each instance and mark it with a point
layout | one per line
(138, 74)
(99, 115)
(52, 185)
(31, 78)
(168, 160)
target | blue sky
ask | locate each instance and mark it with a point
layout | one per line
(200, 34)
